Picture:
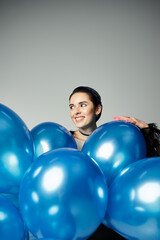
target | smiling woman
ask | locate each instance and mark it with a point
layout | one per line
(85, 110)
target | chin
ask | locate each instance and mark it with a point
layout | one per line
(79, 125)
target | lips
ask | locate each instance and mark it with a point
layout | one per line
(78, 119)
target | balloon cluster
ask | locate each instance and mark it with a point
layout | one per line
(16, 155)
(133, 208)
(50, 189)
(56, 192)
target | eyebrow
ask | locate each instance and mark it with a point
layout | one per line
(78, 103)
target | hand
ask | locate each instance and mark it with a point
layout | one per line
(137, 122)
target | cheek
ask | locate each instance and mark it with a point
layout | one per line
(90, 112)
(71, 114)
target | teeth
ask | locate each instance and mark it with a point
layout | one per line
(80, 118)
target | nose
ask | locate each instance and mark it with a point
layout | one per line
(77, 111)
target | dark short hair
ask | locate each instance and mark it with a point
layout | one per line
(93, 95)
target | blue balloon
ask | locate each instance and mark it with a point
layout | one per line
(134, 201)
(63, 195)
(11, 223)
(49, 136)
(16, 150)
(115, 145)
(48, 239)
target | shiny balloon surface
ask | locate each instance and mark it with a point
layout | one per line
(11, 223)
(134, 201)
(16, 150)
(48, 239)
(49, 136)
(63, 195)
(114, 145)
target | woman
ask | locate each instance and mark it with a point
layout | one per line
(85, 110)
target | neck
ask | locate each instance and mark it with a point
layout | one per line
(85, 134)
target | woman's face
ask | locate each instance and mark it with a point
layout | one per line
(82, 110)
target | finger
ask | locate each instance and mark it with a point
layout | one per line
(123, 118)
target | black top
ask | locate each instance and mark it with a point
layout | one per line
(152, 137)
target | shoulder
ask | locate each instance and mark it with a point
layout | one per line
(72, 132)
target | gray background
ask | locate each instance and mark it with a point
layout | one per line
(47, 48)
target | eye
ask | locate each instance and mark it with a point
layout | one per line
(83, 105)
(71, 107)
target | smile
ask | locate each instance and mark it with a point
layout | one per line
(79, 119)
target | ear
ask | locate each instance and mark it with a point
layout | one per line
(98, 109)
